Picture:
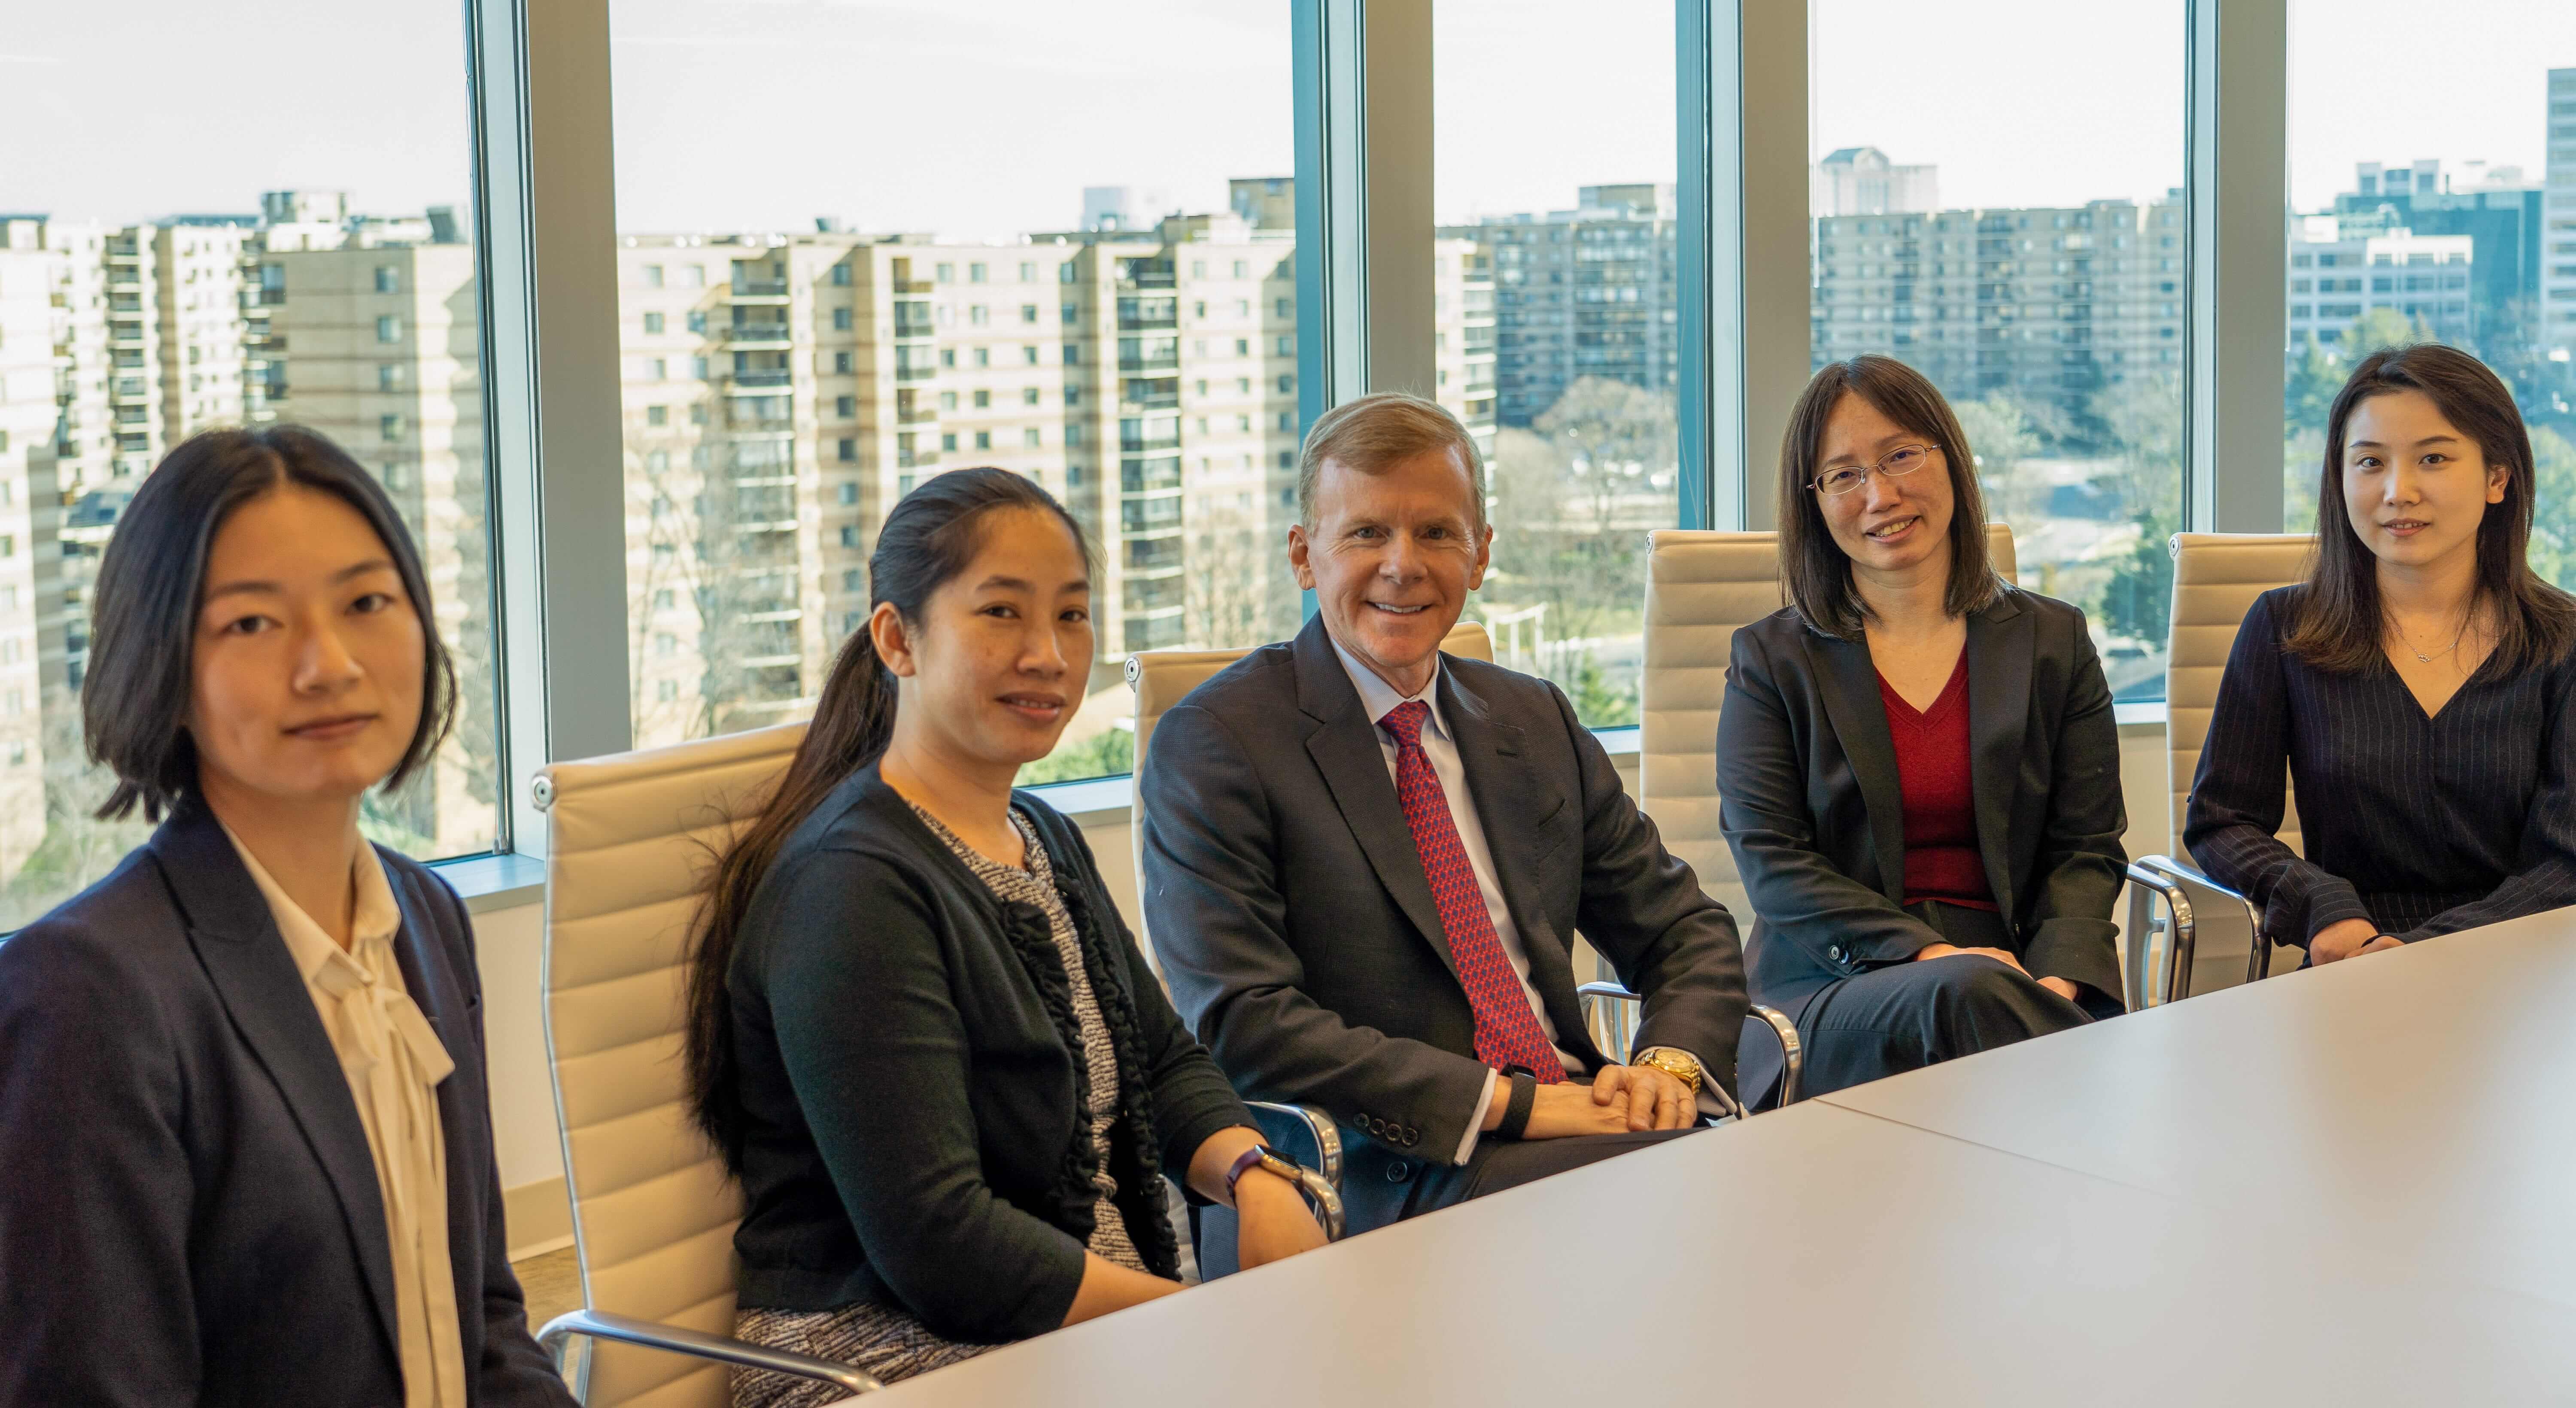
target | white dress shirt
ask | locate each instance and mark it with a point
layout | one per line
(394, 1061)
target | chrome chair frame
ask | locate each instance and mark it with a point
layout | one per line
(1622, 1030)
(2162, 877)
(557, 1337)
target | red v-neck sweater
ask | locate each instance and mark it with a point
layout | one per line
(1941, 858)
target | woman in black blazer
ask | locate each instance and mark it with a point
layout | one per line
(2417, 685)
(934, 1057)
(233, 1073)
(1917, 765)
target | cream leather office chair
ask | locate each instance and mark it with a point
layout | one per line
(629, 847)
(2216, 578)
(631, 840)
(1159, 679)
(1701, 588)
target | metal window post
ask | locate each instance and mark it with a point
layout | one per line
(2239, 208)
(546, 217)
(1745, 273)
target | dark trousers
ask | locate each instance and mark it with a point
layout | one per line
(1905, 1015)
(1496, 1165)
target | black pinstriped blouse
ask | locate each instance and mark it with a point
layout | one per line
(2422, 826)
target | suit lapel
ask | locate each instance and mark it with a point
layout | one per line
(1345, 748)
(236, 938)
(1510, 805)
(1999, 653)
(1849, 682)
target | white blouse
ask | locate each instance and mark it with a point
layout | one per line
(394, 1061)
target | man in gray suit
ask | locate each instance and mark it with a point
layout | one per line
(1365, 861)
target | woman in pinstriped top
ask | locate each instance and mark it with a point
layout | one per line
(2417, 684)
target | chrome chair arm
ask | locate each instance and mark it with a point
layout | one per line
(2180, 927)
(1322, 1182)
(1589, 996)
(556, 1338)
(2258, 953)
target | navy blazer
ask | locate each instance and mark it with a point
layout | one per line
(189, 1212)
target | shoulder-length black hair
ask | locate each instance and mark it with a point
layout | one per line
(931, 537)
(2338, 624)
(1815, 572)
(136, 694)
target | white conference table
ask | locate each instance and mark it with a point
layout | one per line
(2350, 1185)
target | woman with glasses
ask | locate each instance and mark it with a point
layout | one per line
(2420, 679)
(1917, 766)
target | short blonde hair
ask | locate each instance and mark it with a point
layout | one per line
(1375, 432)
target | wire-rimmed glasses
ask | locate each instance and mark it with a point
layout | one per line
(1895, 464)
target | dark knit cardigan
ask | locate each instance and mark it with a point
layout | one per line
(915, 1095)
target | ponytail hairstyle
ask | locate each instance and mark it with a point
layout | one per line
(931, 537)
(2339, 625)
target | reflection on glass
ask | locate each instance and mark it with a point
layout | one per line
(159, 285)
(2026, 252)
(1560, 338)
(2454, 223)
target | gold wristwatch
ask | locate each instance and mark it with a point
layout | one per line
(1677, 1064)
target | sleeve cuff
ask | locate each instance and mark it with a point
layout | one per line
(1476, 1121)
(2332, 904)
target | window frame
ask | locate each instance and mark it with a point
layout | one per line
(545, 216)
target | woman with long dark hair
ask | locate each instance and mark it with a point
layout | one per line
(245, 1135)
(1917, 766)
(917, 1028)
(2415, 687)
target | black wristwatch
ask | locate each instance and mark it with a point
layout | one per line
(1516, 1115)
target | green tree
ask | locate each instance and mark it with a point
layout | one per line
(2553, 523)
(1595, 702)
(1105, 754)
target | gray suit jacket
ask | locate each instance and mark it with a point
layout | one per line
(1815, 811)
(1290, 911)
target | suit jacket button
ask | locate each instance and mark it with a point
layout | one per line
(1835, 953)
(1412, 1136)
(1398, 1171)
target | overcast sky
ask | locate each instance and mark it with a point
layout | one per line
(988, 117)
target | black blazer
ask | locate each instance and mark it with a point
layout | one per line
(910, 1091)
(1814, 810)
(1290, 909)
(189, 1211)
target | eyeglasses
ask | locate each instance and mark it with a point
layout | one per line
(1899, 462)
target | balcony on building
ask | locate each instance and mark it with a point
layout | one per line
(757, 290)
(1149, 434)
(1163, 552)
(1159, 513)
(915, 362)
(765, 381)
(758, 334)
(911, 409)
(1157, 393)
(1149, 354)
(1140, 476)
(913, 320)
(1148, 314)
(1144, 273)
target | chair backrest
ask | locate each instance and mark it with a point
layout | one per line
(1701, 588)
(2216, 578)
(631, 838)
(1160, 678)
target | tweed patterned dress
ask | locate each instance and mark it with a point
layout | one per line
(890, 1341)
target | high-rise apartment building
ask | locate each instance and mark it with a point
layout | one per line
(198, 264)
(2558, 259)
(1588, 292)
(2052, 304)
(2338, 275)
(1862, 181)
(28, 412)
(377, 347)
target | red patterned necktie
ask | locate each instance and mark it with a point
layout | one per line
(1507, 1031)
